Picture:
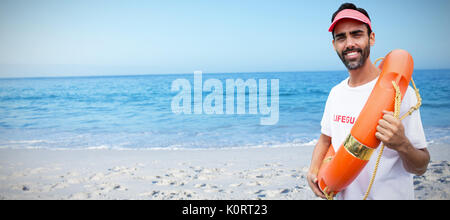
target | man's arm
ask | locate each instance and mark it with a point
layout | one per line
(391, 132)
(318, 155)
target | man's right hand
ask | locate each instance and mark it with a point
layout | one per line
(312, 181)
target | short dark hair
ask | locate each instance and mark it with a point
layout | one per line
(351, 6)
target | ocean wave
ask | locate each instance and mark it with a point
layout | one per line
(445, 105)
(303, 92)
(173, 147)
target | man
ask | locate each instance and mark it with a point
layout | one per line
(405, 153)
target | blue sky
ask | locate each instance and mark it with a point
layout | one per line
(60, 38)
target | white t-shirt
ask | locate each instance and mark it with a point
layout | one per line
(392, 181)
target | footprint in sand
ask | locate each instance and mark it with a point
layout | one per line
(236, 184)
(97, 177)
(208, 188)
(80, 196)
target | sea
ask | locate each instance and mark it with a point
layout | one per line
(135, 112)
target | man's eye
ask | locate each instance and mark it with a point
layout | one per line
(357, 34)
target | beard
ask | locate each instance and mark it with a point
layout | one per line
(355, 64)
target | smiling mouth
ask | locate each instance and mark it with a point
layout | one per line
(352, 54)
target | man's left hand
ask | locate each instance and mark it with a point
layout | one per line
(391, 132)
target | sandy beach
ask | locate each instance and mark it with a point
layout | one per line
(248, 173)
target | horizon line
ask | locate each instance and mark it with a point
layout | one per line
(152, 74)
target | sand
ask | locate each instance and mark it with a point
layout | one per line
(245, 173)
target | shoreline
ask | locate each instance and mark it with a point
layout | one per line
(224, 174)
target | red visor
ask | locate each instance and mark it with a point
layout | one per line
(352, 14)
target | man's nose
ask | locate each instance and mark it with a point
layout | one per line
(350, 42)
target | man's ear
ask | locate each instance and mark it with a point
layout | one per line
(372, 39)
(332, 42)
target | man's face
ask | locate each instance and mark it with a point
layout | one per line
(352, 43)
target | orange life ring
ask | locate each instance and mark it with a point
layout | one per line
(339, 169)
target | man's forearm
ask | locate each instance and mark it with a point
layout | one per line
(319, 152)
(322, 146)
(414, 160)
(391, 132)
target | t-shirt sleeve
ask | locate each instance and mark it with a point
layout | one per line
(326, 118)
(413, 123)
